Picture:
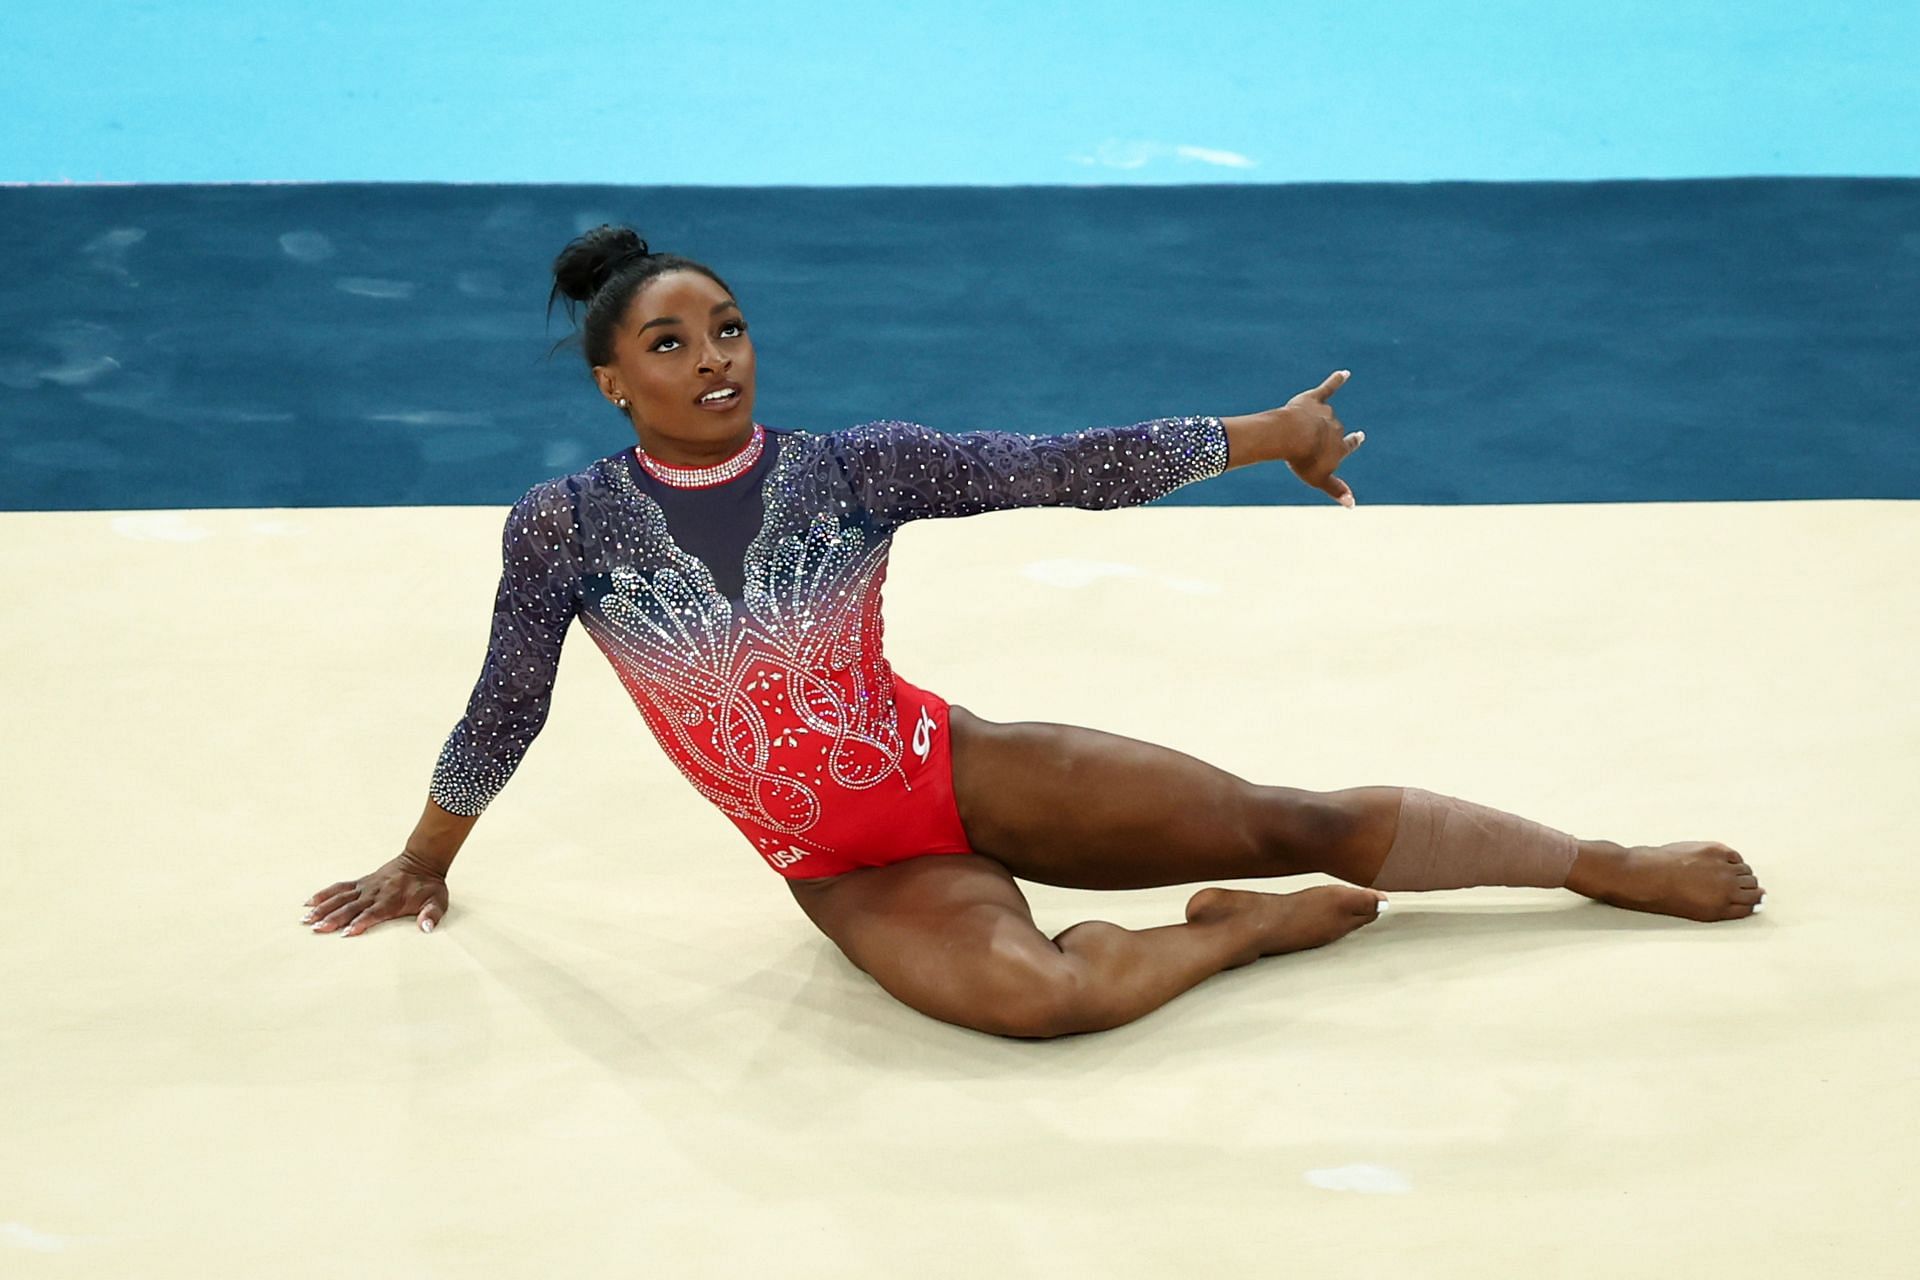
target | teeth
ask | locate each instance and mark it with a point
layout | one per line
(718, 395)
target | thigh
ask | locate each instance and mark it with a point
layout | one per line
(950, 935)
(1059, 804)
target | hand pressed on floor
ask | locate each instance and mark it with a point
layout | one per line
(400, 887)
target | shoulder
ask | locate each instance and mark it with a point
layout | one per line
(879, 434)
(549, 496)
(548, 512)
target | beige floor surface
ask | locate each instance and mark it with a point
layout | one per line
(627, 1053)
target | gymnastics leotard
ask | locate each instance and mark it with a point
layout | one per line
(740, 607)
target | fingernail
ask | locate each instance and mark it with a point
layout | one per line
(307, 918)
(1380, 907)
(427, 925)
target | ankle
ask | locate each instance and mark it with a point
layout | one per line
(1595, 867)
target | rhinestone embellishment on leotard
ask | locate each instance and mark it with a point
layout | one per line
(702, 477)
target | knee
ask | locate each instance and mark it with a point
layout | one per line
(1302, 831)
(1041, 996)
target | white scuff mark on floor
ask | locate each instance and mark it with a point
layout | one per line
(25, 1237)
(1079, 573)
(1076, 573)
(1368, 1179)
(158, 526)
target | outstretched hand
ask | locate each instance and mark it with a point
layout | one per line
(1317, 442)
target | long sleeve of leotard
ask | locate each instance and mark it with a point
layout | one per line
(901, 471)
(532, 608)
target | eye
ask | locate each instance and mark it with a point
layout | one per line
(741, 325)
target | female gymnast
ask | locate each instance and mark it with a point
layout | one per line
(731, 572)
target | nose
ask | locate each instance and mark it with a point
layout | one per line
(712, 359)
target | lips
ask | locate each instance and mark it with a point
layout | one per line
(738, 394)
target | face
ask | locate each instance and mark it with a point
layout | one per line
(682, 335)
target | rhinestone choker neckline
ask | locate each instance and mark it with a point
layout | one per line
(705, 477)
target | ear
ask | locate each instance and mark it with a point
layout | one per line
(609, 382)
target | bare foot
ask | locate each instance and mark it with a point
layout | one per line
(1278, 922)
(1698, 880)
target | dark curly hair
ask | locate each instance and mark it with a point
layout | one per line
(604, 268)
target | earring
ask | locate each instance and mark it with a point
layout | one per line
(621, 403)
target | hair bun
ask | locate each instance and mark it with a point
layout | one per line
(592, 259)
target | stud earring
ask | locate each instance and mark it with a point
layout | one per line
(621, 403)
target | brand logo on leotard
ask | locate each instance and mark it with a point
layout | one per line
(784, 857)
(923, 735)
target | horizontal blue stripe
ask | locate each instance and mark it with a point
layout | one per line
(373, 344)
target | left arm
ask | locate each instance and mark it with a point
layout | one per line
(901, 471)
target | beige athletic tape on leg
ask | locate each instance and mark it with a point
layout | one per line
(1444, 843)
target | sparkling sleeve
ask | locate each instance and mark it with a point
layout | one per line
(900, 471)
(532, 609)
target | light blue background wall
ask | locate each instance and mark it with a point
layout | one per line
(757, 93)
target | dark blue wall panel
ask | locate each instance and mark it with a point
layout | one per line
(216, 346)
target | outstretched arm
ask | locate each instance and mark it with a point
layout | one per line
(901, 471)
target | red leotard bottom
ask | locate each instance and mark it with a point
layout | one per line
(889, 822)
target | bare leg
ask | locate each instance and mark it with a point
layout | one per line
(1060, 804)
(951, 935)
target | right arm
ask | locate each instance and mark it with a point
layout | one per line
(533, 607)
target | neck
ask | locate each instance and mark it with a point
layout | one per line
(693, 453)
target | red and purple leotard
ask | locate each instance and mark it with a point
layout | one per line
(740, 607)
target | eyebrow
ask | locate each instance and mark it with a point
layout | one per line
(676, 319)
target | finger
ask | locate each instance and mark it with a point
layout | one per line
(430, 916)
(327, 904)
(1334, 382)
(337, 916)
(338, 886)
(1355, 440)
(1338, 488)
(370, 916)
